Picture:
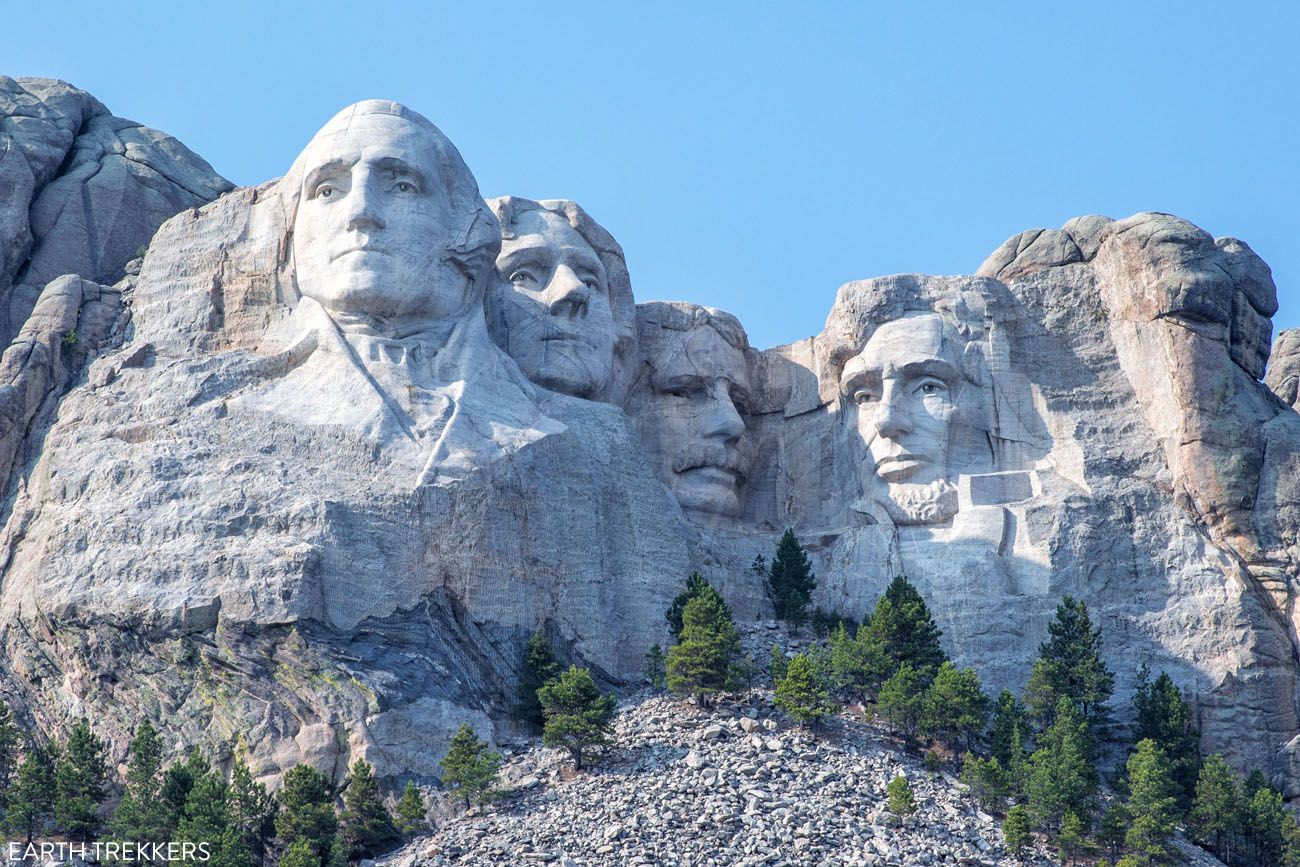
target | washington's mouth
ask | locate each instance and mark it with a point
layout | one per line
(362, 249)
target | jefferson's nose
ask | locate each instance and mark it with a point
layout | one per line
(891, 420)
(567, 294)
(363, 211)
(722, 419)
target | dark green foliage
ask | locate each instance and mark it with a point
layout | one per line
(1061, 777)
(803, 693)
(1113, 828)
(1070, 666)
(1072, 840)
(777, 663)
(1165, 718)
(702, 663)
(142, 814)
(902, 701)
(578, 714)
(252, 811)
(412, 811)
(10, 744)
(790, 581)
(540, 666)
(988, 782)
(81, 780)
(827, 622)
(177, 781)
(902, 801)
(31, 795)
(1016, 829)
(931, 761)
(205, 817)
(307, 812)
(1152, 804)
(1216, 817)
(859, 664)
(1265, 823)
(300, 853)
(655, 670)
(903, 627)
(365, 826)
(696, 587)
(956, 707)
(1008, 723)
(470, 768)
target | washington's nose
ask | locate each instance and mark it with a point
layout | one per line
(723, 420)
(362, 209)
(891, 420)
(568, 295)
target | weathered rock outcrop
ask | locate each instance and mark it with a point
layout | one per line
(1283, 373)
(81, 191)
(313, 496)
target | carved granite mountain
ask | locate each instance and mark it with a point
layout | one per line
(306, 497)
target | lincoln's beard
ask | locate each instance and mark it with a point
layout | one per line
(921, 504)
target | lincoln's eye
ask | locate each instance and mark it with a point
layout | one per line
(930, 388)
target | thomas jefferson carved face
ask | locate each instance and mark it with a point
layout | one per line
(687, 407)
(550, 308)
(373, 223)
(905, 384)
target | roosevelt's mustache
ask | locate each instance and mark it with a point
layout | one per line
(698, 455)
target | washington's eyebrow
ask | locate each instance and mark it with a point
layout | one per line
(327, 170)
(399, 166)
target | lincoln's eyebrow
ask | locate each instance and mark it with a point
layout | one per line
(936, 367)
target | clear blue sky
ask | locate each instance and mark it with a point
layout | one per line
(750, 156)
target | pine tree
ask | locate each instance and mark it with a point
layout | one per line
(956, 707)
(1265, 820)
(81, 778)
(412, 811)
(470, 768)
(860, 664)
(988, 782)
(366, 827)
(702, 663)
(1016, 828)
(802, 693)
(31, 796)
(578, 714)
(902, 701)
(696, 587)
(252, 811)
(205, 818)
(1061, 778)
(540, 666)
(1008, 722)
(902, 625)
(1072, 840)
(10, 744)
(1164, 717)
(655, 672)
(1216, 817)
(790, 581)
(300, 853)
(902, 801)
(307, 812)
(142, 815)
(1069, 666)
(1152, 804)
(777, 663)
(1113, 828)
(177, 781)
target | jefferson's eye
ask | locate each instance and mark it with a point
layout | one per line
(591, 283)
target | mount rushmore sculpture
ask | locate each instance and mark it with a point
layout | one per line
(311, 474)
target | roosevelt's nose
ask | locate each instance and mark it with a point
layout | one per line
(892, 420)
(722, 419)
(567, 294)
(363, 209)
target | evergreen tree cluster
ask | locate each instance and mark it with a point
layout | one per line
(62, 789)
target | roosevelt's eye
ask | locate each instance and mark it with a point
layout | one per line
(864, 395)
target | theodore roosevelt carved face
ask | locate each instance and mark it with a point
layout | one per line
(688, 404)
(905, 385)
(377, 213)
(550, 305)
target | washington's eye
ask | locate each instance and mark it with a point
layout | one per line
(864, 396)
(325, 191)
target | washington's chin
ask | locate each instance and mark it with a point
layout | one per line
(710, 491)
